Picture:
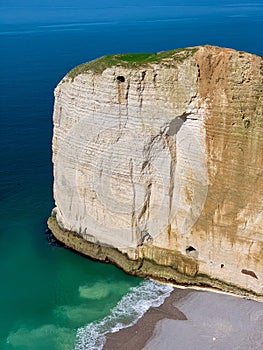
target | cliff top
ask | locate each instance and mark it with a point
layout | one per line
(131, 60)
(134, 60)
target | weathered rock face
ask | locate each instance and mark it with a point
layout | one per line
(163, 161)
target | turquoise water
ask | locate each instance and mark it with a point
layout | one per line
(49, 295)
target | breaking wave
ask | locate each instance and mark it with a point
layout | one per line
(126, 313)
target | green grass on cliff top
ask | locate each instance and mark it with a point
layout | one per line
(130, 60)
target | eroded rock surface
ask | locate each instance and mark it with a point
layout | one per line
(163, 161)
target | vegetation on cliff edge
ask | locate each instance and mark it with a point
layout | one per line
(131, 60)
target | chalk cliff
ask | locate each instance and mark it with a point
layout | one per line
(158, 165)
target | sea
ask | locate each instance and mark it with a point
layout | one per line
(50, 297)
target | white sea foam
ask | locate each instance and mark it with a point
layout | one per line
(127, 312)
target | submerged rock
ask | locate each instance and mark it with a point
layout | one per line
(158, 164)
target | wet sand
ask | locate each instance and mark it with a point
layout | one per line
(136, 336)
(190, 319)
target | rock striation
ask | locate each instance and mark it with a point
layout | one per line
(158, 165)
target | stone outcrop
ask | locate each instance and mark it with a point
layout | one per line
(158, 164)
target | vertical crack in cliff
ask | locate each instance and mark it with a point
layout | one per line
(127, 94)
(146, 203)
(144, 215)
(140, 88)
(119, 106)
(149, 153)
(127, 103)
(171, 143)
(170, 139)
(133, 213)
(167, 135)
(139, 223)
(123, 104)
(155, 78)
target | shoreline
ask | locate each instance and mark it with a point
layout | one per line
(137, 335)
(199, 318)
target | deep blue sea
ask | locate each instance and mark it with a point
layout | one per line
(50, 296)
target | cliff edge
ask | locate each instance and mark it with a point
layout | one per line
(158, 165)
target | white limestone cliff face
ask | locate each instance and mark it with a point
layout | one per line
(166, 157)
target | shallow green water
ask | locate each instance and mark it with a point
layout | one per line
(48, 292)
